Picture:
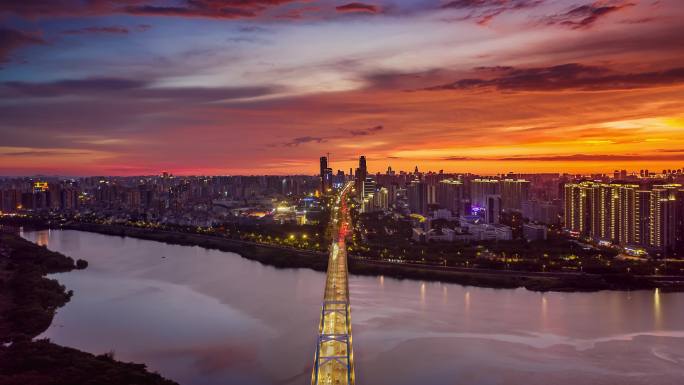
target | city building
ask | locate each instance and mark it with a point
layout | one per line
(481, 189)
(513, 193)
(449, 194)
(418, 197)
(493, 209)
(532, 232)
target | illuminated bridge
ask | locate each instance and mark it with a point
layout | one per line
(334, 360)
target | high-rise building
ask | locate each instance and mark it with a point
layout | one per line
(542, 211)
(326, 175)
(493, 209)
(643, 218)
(361, 175)
(10, 200)
(577, 207)
(602, 211)
(514, 192)
(418, 197)
(627, 219)
(450, 195)
(481, 188)
(679, 242)
(664, 224)
(381, 199)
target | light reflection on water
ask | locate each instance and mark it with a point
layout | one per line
(207, 317)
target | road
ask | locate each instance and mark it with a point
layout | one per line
(334, 359)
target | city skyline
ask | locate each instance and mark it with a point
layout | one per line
(262, 87)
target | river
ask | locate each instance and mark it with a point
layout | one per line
(202, 316)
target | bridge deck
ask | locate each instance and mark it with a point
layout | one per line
(334, 360)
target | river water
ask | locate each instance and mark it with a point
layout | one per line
(208, 317)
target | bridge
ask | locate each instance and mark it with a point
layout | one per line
(334, 360)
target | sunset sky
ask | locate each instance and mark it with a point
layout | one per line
(130, 87)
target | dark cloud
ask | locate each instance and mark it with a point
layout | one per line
(11, 39)
(572, 158)
(298, 13)
(366, 131)
(36, 153)
(69, 87)
(358, 7)
(568, 76)
(219, 9)
(97, 30)
(593, 158)
(514, 4)
(191, 11)
(303, 140)
(223, 9)
(483, 11)
(49, 8)
(584, 16)
(128, 88)
(114, 29)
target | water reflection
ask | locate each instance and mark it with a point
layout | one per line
(43, 238)
(207, 317)
(657, 311)
(544, 311)
(466, 302)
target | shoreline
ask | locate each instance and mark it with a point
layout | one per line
(285, 257)
(28, 303)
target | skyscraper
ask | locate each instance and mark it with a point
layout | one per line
(360, 177)
(326, 175)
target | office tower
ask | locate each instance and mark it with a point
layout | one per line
(417, 197)
(493, 209)
(369, 186)
(360, 177)
(324, 166)
(362, 165)
(481, 188)
(450, 195)
(514, 192)
(326, 175)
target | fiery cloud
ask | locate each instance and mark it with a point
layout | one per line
(268, 86)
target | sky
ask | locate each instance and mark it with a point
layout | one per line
(133, 87)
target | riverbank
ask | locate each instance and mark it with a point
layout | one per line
(285, 257)
(28, 302)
